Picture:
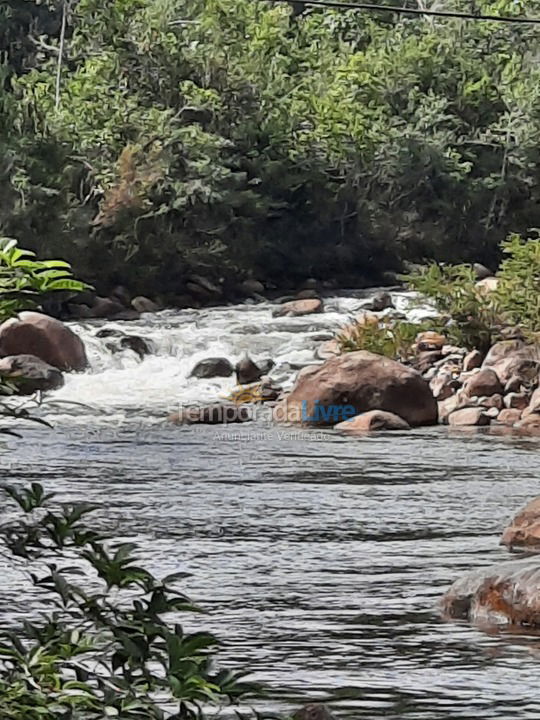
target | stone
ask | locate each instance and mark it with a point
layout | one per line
(513, 385)
(144, 305)
(30, 374)
(450, 405)
(492, 412)
(372, 421)
(251, 287)
(217, 414)
(136, 343)
(379, 302)
(471, 416)
(32, 333)
(513, 358)
(212, 367)
(481, 271)
(121, 294)
(357, 382)
(443, 386)
(106, 308)
(534, 403)
(529, 423)
(307, 295)
(328, 349)
(426, 360)
(492, 401)
(296, 308)
(456, 352)
(516, 401)
(203, 288)
(504, 594)
(313, 711)
(484, 382)
(473, 360)
(430, 340)
(509, 416)
(247, 371)
(523, 532)
(487, 285)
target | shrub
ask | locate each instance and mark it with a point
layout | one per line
(392, 338)
(110, 646)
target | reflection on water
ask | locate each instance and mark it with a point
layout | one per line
(320, 559)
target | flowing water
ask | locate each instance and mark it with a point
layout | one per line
(320, 559)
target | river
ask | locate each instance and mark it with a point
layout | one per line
(319, 558)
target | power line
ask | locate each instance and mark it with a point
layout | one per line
(411, 11)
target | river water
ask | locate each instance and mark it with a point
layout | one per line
(319, 558)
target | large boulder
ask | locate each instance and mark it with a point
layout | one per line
(504, 594)
(524, 530)
(355, 383)
(33, 333)
(295, 308)
(513, 359)
(30, 374)
(212, 367)
(482, 383)
(469, 417)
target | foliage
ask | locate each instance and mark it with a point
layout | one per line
(475, 316)
(386, 336)
(109, 645)
(24, 280)
(231, 137)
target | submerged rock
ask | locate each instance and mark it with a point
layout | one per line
(355, 383)
(248, 371)
(504, 594)
(32, 333)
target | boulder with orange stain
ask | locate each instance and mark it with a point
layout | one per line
(524, 530)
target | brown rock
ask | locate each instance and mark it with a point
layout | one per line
(426, 359)
(534, 403)
(529, 423)
(251, 287)
(513, 359)
(509, 416)
(296, 308)
(443, 386)
(358, 381)
(328, 349)
(453, 403)
(492, 401)
(484, 382)
(508, 593)
(30, 374)
(48, 339)
(469, 416)
(516, 401)
(473, 360)
(524, 530)
(372, 421)
(106, 308)
(430, 340)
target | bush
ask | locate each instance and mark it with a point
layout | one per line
(385, 336)
(111, 646)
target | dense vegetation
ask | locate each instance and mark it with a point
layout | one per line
(229, 138)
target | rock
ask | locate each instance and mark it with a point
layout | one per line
(509, 416)
(78, 312)
(144, 305)
(247, 371)
(454, 351)
(313, 712)
(450, 405)
(534, 403)
(212, 367)
(30, 373)
(444, 385)
(487, 285)
(492, 412)
(328, 349)
(217, 414)
(121, 294)
(106, 308)
(429, 341)
(503, 594)
(513, 385)
(471, 416)
(379, 302)
(472, 360)
(203, 288)
(492, 401)
(135, 343)
(296, 308)
(355, 383)
(529, 423)
(524, 530)
(516, 401)
(307, 295)
(513, 359)
(251, 287)
(426, 360)
(481, 271)
(484, 382)
(372, 421)
(33, 333)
